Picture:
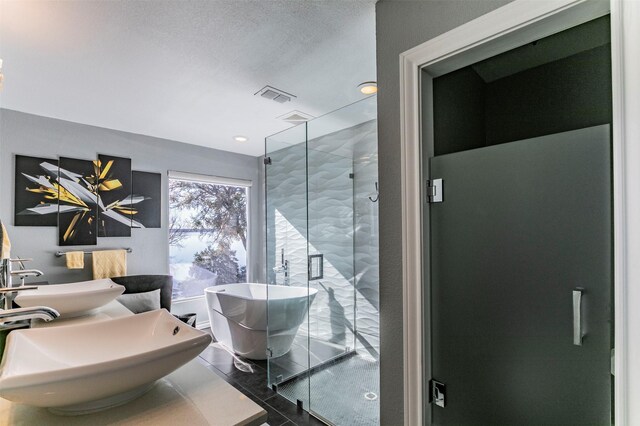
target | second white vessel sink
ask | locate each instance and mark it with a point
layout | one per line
(76, 369)
(71, 299)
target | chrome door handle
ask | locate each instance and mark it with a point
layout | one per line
(577, 317)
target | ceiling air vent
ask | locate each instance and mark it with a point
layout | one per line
(296, 117)
(274, 94)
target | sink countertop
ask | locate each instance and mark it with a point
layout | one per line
(191, 395)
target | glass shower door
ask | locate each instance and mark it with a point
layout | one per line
(521, 273)
(286, 259)
(331, 256)
(344, 390)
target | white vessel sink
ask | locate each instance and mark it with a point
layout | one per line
(77, 369)
(71, 299)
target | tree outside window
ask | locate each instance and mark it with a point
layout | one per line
(207, 235)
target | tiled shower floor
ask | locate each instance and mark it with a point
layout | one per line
(344, 392)
(304, 354)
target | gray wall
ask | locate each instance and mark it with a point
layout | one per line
(401, 25)
(34, 135)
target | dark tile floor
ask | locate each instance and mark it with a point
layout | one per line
(250, 378)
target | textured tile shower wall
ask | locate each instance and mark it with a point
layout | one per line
(342, 225)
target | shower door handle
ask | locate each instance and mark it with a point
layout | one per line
(577, 317)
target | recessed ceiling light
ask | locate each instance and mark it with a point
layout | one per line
(240, 138)
(368, 87)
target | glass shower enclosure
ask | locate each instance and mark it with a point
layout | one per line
(322, 237)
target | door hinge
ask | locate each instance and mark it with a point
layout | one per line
(437, 393)
(269, 353)
(434, 190)
(267, 161)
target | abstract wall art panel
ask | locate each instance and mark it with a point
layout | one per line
(114, 196)
(146, 199)
(78, 201)
(86, 199)
(36, 192)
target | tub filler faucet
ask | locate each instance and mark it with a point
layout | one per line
(283, 268)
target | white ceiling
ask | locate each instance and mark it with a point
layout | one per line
(185, 70)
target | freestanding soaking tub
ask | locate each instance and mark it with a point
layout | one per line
(238, 316)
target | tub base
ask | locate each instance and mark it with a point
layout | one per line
(247, 343)
(238, 317)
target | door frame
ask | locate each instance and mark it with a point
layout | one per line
(505, 28)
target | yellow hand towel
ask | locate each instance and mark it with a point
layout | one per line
(5, 249)
(75, 259)
(109, 263)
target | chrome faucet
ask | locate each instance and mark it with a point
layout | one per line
(21, 317)
(24, 273)
(7, 273)
(284, 267)
(6, 279)
(10, 317)
(33, 312)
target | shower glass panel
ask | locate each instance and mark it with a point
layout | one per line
(286, 255)
(321, 191)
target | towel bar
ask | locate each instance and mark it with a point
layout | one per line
(63, 253)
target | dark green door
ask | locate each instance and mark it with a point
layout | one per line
(524, 229)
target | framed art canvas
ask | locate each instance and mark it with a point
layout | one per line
(78, 201)
(147, 190)
(36, 193)
(114, 196)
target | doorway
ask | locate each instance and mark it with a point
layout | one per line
(509, 27)
(521, 258)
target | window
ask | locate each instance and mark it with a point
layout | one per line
(207, 232)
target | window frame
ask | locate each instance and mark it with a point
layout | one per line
(196, 303)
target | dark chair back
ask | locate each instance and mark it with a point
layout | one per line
(144, 283)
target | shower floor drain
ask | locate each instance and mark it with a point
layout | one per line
(370, 396)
